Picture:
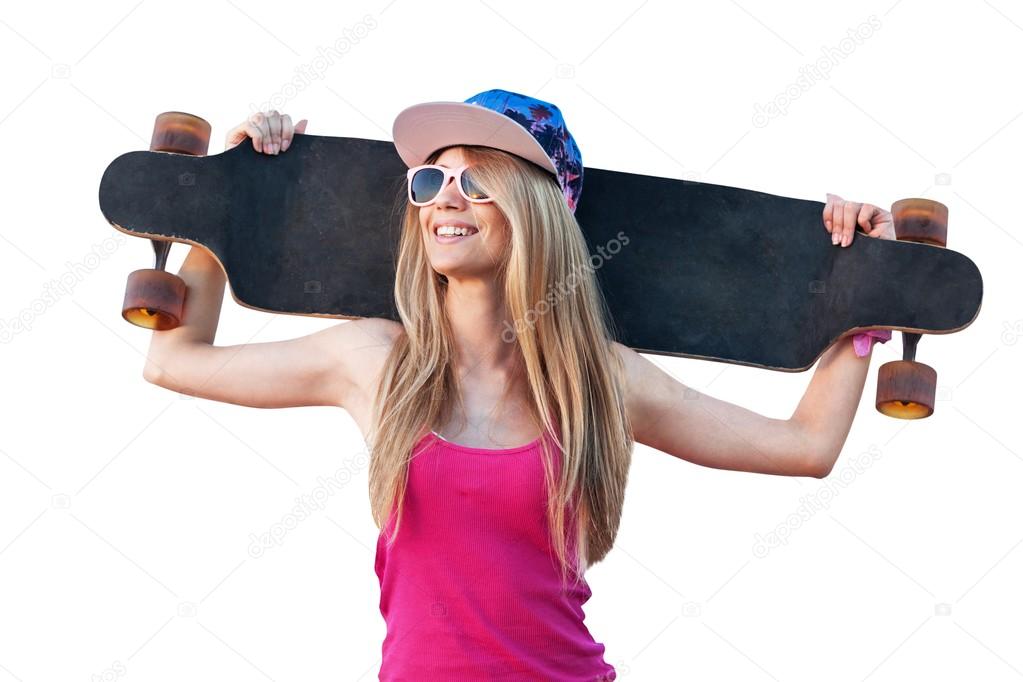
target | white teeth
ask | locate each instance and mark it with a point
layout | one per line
(449, 230)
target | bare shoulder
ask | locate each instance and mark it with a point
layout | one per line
(629, 359)
(649, 390)
(378, 329)
(621, 349)
(365, 338)
(630, 362)
(360, 348)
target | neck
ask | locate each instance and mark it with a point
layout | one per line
(483, 332)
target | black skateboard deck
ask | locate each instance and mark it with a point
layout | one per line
(701, 270)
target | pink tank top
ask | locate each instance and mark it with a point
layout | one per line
(470, 589)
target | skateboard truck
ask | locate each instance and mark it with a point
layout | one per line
(154, 299)
(906, 388)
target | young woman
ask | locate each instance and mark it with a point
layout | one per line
(499, 412)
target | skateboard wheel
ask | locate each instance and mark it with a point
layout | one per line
(920, 220)
(180, 133)
(154, 299)
(905, 389)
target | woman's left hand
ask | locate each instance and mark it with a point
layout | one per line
(841, 218)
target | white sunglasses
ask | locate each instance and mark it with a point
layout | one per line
(426, 182)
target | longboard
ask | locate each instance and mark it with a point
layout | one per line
(701, 270)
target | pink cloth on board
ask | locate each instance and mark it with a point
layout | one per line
(862, 341)
(470, 589)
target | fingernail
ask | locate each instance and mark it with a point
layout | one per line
(285, 145)
(834, 238)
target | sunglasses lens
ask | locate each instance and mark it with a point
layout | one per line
(471, 189)
(426, 184)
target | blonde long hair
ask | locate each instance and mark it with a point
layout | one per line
(562, 341)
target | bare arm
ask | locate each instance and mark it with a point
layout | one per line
(204, 296)
(669, 416)
(322, 368)
(825, 412)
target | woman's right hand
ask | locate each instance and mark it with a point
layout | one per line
(271, 132)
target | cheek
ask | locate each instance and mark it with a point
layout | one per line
(496, 223)
(424, 222)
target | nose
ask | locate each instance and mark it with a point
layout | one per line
(450, 196)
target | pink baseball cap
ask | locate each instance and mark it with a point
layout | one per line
(525, 126)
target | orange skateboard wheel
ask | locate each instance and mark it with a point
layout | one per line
(154, 299)
(180, 133)
(921, 220)
(905, 389)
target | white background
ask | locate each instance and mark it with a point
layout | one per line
(127, 511)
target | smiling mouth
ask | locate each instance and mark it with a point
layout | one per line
(450, 239)
(469, 231)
